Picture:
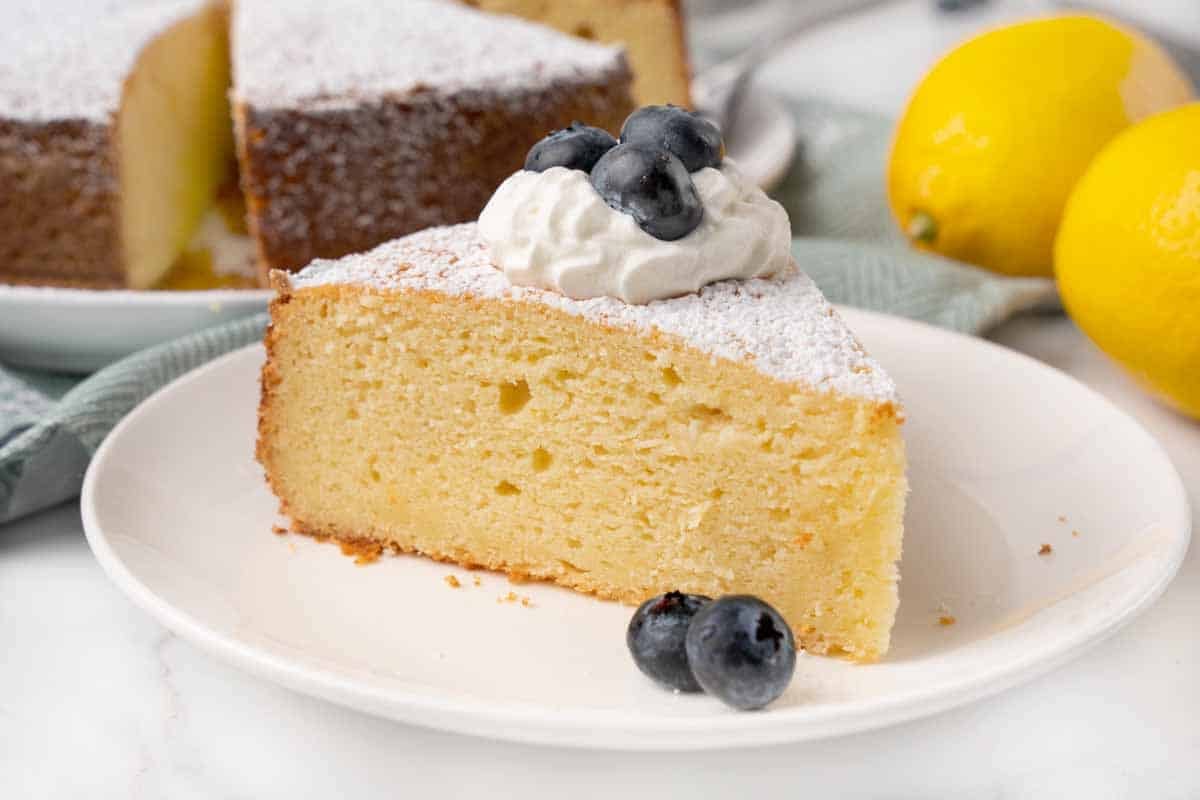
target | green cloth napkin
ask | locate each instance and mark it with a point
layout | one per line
(49, 428)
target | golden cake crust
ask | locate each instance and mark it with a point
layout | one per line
(305, 173)
(356, 127)
(58, 210)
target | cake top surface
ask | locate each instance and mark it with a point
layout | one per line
(783, 324)
(68, 59)
(330, 54)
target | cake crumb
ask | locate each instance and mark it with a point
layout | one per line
(946, 620)
(1045, 550)
(513, 597)
(1075, 534)
(475, 580)
(279, 530)
(452, 581)
(1062, 518)
(362, 551)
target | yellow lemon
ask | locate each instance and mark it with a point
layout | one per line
(999, 131)
(1128, 254)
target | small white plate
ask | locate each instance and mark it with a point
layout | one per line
(1006, 454)
(763, 139)
(82, 330)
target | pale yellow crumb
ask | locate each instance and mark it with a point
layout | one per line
(1062, 518)
(1075, 534)
(475, 580)
(452, 582)
(946, 620)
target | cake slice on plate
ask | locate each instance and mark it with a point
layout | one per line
(600, 387)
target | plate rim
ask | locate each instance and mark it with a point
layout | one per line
(531, 723)
(71, 295)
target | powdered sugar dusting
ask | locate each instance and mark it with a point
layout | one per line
(783, 324)
(68, 59)
(332, 54)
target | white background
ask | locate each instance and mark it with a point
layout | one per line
(96, 700)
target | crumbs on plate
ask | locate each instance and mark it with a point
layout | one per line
(513, 597)
(1045, 550)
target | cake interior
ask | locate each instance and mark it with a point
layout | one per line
(650, 30)
(174, 142)
(522, 438)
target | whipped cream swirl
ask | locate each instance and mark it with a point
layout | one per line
(553, 231)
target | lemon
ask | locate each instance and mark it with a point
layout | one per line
(999, 131)
(1128, 254)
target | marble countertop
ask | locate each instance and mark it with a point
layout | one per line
(100, 701)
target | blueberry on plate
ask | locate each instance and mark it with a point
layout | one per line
(741, 651)
(656, 638)
(652, 186)
(690, 137)
(578, 146)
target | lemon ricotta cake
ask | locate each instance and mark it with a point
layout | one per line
(726, 439)
(114, 137)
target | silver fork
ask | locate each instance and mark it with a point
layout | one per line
(719, 90)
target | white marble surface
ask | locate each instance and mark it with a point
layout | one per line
(99, 701)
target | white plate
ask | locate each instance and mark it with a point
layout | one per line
(1000, 446)
(81, 330)
(763, 139)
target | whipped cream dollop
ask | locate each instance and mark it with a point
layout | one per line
(552, 230)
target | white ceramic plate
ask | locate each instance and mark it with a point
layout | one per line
(81, 330)
(1001, 447)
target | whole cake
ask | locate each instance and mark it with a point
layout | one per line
(617, 380)
(114, 137)
(356, 122)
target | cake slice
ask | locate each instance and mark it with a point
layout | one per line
(651, 31)
(114, 137)
(358, 122)
(737, 439)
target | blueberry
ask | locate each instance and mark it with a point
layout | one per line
(652, 186)
(741, 651)
(655, 638)
(578, 146)
(690, 137)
